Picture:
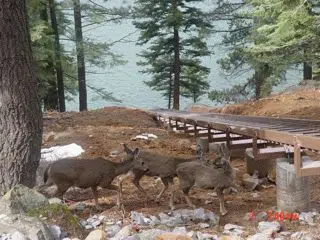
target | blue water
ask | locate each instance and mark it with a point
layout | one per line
(126, 82)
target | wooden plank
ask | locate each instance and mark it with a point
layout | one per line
(310, 169)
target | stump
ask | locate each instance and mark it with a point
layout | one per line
(263, 166)
(292, 191)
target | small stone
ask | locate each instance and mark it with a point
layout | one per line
(307, 217)
(56, 231)
(88, 227)
(155, 220)
(232, 229)
(199, 213)
(204, 225)
(299, 236)
(172, 236)
(269, 226)
(208, 201)
(206, 236)
(80, 206)
(114, 153)
(96, 235)
(180, 230)
(55, 200)
(112, 230)
(18, 236)
(255, 195)
(163, 217)
(285, 234)
(124, 232)
(150, 234)
(259, 236)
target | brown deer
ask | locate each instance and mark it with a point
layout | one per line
(85, 173)
(158, 165)
(217, 176)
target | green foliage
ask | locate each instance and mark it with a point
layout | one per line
(58, 213)
(156, 21)
(292, 35)
(243, 31)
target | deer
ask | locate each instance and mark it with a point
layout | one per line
(218, 176)
(89, 173)
(162, 166)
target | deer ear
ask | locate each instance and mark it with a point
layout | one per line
(136, 152)
(126, 149)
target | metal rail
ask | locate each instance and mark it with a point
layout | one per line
(299, 133)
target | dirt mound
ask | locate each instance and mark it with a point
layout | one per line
(300, 103)
(108, 116)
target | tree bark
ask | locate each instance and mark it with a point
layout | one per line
(80, 56)
(307, 71)
(20, 118)
(176, 66)
(57, 51)
(51, 98)
(170, 90)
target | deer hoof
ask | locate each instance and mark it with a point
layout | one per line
(223, 213)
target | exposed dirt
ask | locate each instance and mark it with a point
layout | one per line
(101, 131)
(304, 103)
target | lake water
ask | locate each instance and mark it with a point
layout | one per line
(126, 82)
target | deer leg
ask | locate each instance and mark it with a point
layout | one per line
(117, 189)
(223, 210)
(172, 195)
(62, 188)
(95, 195)
(137, 184)
(120, 180)
(164, 188)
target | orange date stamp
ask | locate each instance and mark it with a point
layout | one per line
(278, 216)
(281, 216)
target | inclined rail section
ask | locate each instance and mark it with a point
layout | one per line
(298, 133)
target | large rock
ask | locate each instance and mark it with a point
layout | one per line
(21, 199)
(172, 236)
(30, 227)
(96, 235)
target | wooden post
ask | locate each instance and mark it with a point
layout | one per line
(228, 138)
(297, 156)
(195, 129)
(185, 127)
(210, 137)
(255, 149)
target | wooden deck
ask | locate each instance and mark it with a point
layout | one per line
(255, 132)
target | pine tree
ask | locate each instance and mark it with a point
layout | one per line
(21, 117)
(291, 38)
(262, 76)
(175, 32)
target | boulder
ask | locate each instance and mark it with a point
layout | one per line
(21, 199)
(96, 235)
(172, 236)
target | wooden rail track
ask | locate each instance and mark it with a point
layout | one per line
(297, 134)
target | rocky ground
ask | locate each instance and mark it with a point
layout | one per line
(100, 133)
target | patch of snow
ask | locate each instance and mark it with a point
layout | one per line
(59, 152)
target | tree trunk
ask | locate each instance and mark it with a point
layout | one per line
(307, 71)
(57, 51)
(21, 118)
(176, 66)
(51, 98)
(257, 82)
(80, 56)
(170, 90)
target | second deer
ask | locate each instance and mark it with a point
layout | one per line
(218, 176)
